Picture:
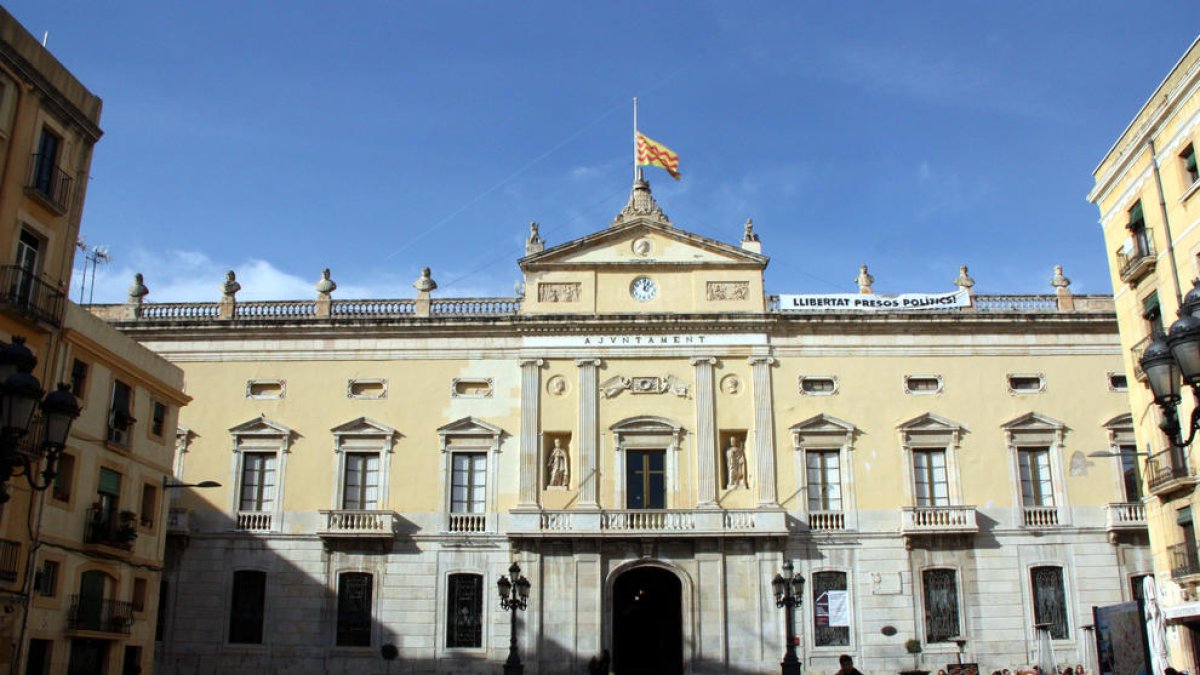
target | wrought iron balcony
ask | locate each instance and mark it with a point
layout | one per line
(652, 523)
(104, 528)
(1137, 258)
(938, 520)
(10, 559)
(49, 183)
(1184, 561)
(1169, 471)
(23, 292)
(357, 524)
(1136, 352)
(99, 615)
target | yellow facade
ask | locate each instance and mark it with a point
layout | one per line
(1146, 190)
(78, 581)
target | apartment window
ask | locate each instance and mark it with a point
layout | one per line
(258, 481)
(645, 479)
(45, 163)
(28, 257)
(1130, 473)
(1190, 171)
(468, 489)
(61, 490)
(45, 581)
(38, 661)
(120, 417)
(829, 593)
(1050, 600)
(824, 478)
(149, 504)
(160, 619)
(139, 595)
(464, 611)
(1137, 230)
(360, 489)
(1137, 586)
(1185, 560)
(922, 384)
(941, 604)
(247, 607)
(1037, 488)
(79, 378)
(158, 421)
(1152, 315)
(108, 497)
(354, 610)
(929, 477)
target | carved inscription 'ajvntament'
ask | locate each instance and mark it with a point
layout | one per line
(728, 290)
(560, 292)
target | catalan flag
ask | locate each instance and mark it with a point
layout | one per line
(653, 153)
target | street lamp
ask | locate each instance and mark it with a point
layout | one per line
(22, 447)
(1174, 359)
(201, 484)
(789, 594)
(514, 595)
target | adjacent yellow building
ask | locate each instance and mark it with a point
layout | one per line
(81, 556)
(650, 436)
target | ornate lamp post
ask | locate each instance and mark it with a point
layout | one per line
(789, 594)
(1171, 358)
(20, 399)
(514, 595)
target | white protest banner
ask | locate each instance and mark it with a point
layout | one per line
(867, 302)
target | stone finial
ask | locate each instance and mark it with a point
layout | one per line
(425, 283)
(230, 288)
(641, 204)
(534, 243)
(325, 285)
(864, 281)
(1058, 280)
(1062, 290)
(519, 288)
(964, 280)
(137, 290)
(750, 240)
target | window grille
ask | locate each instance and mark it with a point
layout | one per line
(464, 615)
(941, 604)
(824, 634)
(354, 610)
(1049, 600)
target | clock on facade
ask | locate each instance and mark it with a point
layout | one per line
(643, 289)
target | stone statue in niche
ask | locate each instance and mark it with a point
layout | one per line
(558, 465)
(735, 465)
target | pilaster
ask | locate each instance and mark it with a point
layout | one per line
(764, 429)
(589, 433)
(706, 433)
(531, 405)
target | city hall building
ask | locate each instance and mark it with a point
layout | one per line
(650, 436)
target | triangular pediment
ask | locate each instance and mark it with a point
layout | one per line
(363, 426)
(645, 244)
(823, 424)
(929, 423)
(260, 426)
(470, 426)
(1033, 422)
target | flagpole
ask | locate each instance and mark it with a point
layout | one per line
(635, 132)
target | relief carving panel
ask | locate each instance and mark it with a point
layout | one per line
(558, 292)
(728, 290)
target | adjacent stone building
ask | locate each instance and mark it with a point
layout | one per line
(649, 435)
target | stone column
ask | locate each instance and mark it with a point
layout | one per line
(531, 405)
(764, 430)
(706, 433)
(589, 434)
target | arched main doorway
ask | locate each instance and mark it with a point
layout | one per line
(647, 623)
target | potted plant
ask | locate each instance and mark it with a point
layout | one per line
(913, 646)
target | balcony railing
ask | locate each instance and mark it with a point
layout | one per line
(254, 521)
(646, 522)
(819, 521)
(1168, 471)
(467, 522)
(357, 524)
(1136, 258)
(1040, 516)
(938, 520)
(27, 294)
(104, 528)
(100, 615)
(49, 182)
(10, 556)
(1126, 516)
(1136, 352)
(1184, 560)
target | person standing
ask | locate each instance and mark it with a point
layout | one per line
(847, 666)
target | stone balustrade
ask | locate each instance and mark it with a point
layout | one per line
(1041, 516)
(467, 522)
(822, 521)
(646, 522)
(355, 523)
(254, 521)
(1126, 516)
(938, 520)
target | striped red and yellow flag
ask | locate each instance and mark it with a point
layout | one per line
(653, 153)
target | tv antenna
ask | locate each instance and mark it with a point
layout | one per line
(93, 255)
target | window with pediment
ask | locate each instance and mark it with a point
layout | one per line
(1122, 443)
(363, 449)
(931, 444)
(469, 455)
(647, 462)
(261, 447)
(1035, 446)
(823, 445)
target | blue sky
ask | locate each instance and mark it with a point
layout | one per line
(376, 138)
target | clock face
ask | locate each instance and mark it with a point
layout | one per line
(643, 289)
